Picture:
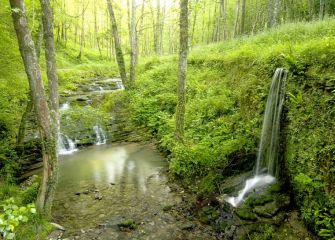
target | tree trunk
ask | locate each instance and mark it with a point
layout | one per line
(242, 31)
(322, 9)
(133, 42)
(82, 35)
(23, 122)
(157, 27)
(182, 72)
(39, 39)
(140, 30)
(224, 16)
(28, 54)
(118, 49)
(50, 57)
(237, 18)
(194, 22)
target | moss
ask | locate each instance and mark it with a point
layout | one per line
(246, 214)
(259, 200)
(127, 224)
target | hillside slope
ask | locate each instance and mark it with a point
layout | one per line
(226, 93)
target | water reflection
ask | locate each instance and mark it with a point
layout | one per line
(123, 165)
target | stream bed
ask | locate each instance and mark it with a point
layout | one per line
(119, 191)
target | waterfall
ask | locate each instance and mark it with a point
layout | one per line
(66, 145)
(100, 135)
(267, 167)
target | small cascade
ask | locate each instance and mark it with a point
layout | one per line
(267, 167)
(66, 145)
(100, 135)
(65, 106)
(119, 85)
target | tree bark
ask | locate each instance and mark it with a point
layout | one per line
(182, 72)
(224, 16)
(50, 57)
(39, 39)
(322, 9)
(82, 35)
(133, 56)
(28, 54)
(243, 10)
(237, 18)
(118, 49)
(23, 122)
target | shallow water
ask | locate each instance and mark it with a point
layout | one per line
(131, 183)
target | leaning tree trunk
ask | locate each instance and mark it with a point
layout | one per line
(182, 72)
(118, 49)
(133, 34)
(28, 54)
(50, 57)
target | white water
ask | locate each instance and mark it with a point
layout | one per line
(267, 157)
(65, 106)
(66, 145)
(100, 135)
(251, 184)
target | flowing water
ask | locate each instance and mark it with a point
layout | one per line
(99, 135)
(66, 145)
(267, 167)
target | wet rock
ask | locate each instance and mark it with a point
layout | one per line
(246, 214)
(86, 192)
(259, 200)
(98, 196)
(269, 210)
(112, 183)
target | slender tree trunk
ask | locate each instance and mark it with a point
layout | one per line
(28, 54)
(157, 27)
(322, 9)
(224, 18)
(237, 18)
(140, 30)
(194, 22)
(133, 42)
(243, 10)
(182, 72)
(82, 35)
(129, 20)
(118, 49)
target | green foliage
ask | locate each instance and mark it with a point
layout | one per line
(226, 92)
(11, 216)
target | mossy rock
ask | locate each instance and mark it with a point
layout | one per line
(127, 224)
(259, 200)
(268, 210)
(246, 214)
(275, 188)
